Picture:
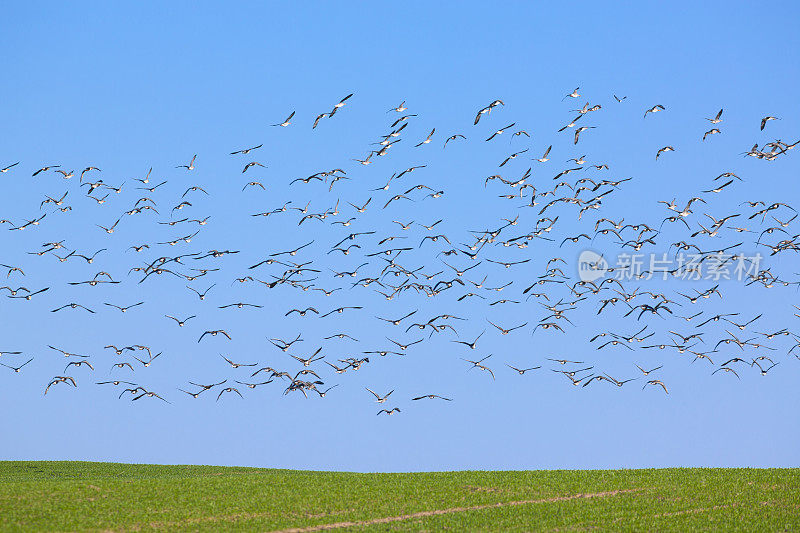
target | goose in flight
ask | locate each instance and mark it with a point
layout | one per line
(214, 333)
(201, 295)
(487, 109)
(726, 369)
(60, 379)
(378, 397)
(183, 322)
(579, 130)
(340, 104)
(504, 331)
(285, 122)
(250, 165)
(247, 150)
(655, 109)
(17, 369)
(712, 131)
(665, 149)
(237, 365)
(658, 383)
(72, 305)
(431, 397)
(9, 167)
(471, 345)
(320, 117)
(513, 156)
(453, 138)
(544, 158)
(573, 94)
(648, 372)
(763, 123)
(389, 411)
(521, 371)
(717, 119)
(190, 166)
(500, 131)
(477, 364)
(565, 361)
(48, 167)
(427, 139)
(229, 389)
(78, 364)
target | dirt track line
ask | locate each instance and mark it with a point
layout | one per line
(423, 514)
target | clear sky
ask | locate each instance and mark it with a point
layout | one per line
(127, 88)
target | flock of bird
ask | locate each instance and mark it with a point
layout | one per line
(460, 266)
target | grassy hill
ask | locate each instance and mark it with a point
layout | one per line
(59, 496)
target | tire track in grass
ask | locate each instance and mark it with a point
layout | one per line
(453, 510)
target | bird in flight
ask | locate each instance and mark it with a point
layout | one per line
(286, 122)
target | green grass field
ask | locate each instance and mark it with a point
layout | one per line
(70, 496)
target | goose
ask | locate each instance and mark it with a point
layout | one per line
(389, 411)
(340, 104)
(427, 139)
(246, 150)
(183, 322)
(453, 138)
(214, 333)
(500, 131)
(285, 122)
(504, 331)
(396, 322)
(521, 371)
(31, 295)
(252, 164)
(431, 397)
(60, 379)
(48, 167)
(72, 305)
(763, 123)
(544, 158)
(477, 364)
(403, 347)
(513, 156)
(17, 369)
(201, 295)
(319, 117)
(578, 132)
(78, 364)
(648, 372)
(229, 389)
(240, 305)
(122, 364)
(471, 345)
(664, 149)
(717, 119)
(573, 94)
(658, 383)
(655, 109)
(378, 397)
(190, 166)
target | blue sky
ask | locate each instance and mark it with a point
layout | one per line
(131, 87)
